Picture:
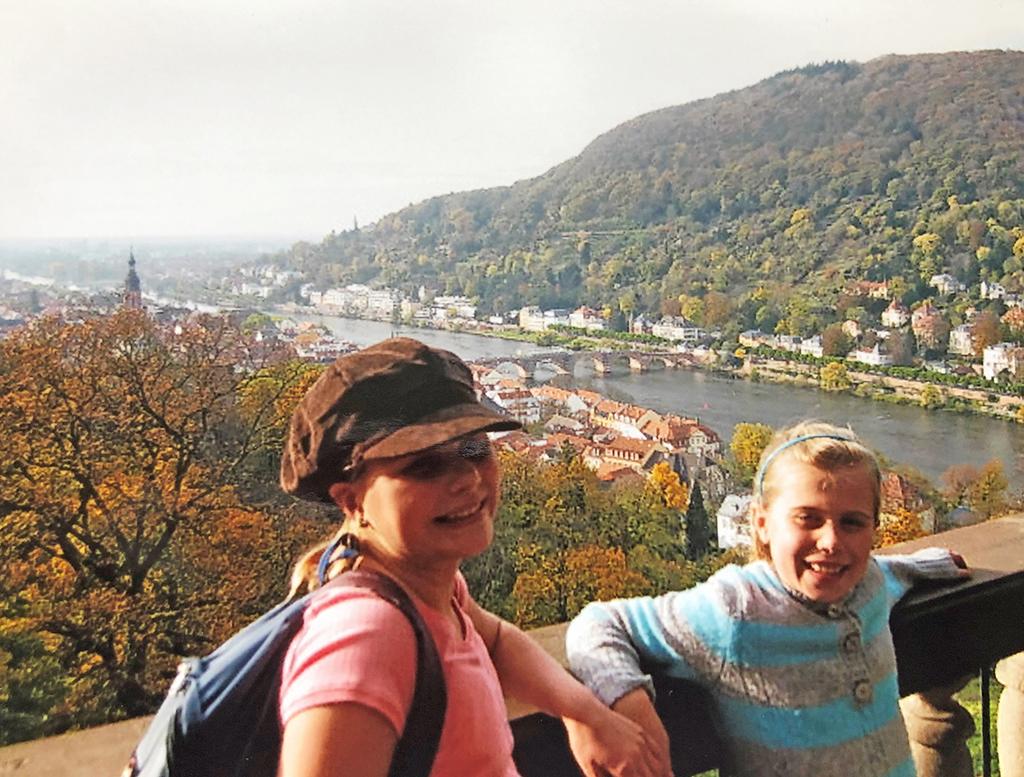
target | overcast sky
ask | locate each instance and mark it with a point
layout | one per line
(123, 118)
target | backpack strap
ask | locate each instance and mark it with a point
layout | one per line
(417, 747)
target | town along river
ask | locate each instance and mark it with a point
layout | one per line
(931, 441)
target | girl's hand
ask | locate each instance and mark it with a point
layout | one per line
(610, 743)
(965, 571)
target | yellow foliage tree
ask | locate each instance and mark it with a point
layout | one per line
(833, 377)
(901, 526)
(927, 243)
(559, 586)
(670, 489)
(747, 444)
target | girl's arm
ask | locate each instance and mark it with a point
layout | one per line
(903, 572)
(346, 738)
(601, 738)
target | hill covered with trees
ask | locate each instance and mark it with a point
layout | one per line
(776, 195)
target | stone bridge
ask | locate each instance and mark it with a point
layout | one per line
(602, 362)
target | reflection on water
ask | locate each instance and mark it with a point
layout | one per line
(930, 441)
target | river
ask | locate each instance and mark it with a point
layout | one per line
(930, 441)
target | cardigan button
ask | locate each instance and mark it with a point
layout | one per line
(851, 643)
(862, 691)
(834, 611)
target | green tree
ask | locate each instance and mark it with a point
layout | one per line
(698, 529)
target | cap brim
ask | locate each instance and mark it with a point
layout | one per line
(440, 427)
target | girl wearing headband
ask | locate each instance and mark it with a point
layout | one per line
(794, 647)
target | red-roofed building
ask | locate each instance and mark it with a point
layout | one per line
(518, 402)
(641, 455)
(625, 419)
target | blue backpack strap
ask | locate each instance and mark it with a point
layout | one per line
(417, 747)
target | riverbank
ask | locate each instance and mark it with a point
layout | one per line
(845, 377)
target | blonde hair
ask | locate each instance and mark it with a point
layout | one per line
(305, 575)
(821, 445)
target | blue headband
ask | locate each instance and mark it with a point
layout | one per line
(759, 477)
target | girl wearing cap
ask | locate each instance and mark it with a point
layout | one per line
(794, 647)
(395, 437)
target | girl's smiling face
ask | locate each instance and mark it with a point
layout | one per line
(819, 527)
(438, 504)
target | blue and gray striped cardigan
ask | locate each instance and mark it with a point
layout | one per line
(802, 689)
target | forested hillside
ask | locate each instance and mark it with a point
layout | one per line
(775, 195)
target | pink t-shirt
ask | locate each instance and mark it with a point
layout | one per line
(355, 647)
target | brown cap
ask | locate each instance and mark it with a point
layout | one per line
(391, 399)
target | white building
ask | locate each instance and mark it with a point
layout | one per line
(992, 290)
(1002, 357)
(945, 283)
(453, 306)
(556, 317)
(531, 319)
(960, 340)
(812, 346)
(677, 328)
(381, 303)
(586, 318)
(733, 520)
(790, 343)
(896, 315)
(873, 355)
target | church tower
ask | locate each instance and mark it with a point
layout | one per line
(132, 286)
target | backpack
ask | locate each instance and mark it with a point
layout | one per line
(220, 716)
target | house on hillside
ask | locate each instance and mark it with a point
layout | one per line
(561, 423)
(960, 340)
(944, 283)
(992, 290)
(898, 493)
(896, 315)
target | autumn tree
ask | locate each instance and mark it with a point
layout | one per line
(747, 443)
(835, 341)
(982, 489)
(986, 330)
(718, 309)
(532, 572)
(124, 533)
(833, 377)
(667, 485)
(901, 526)
(987, 494)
